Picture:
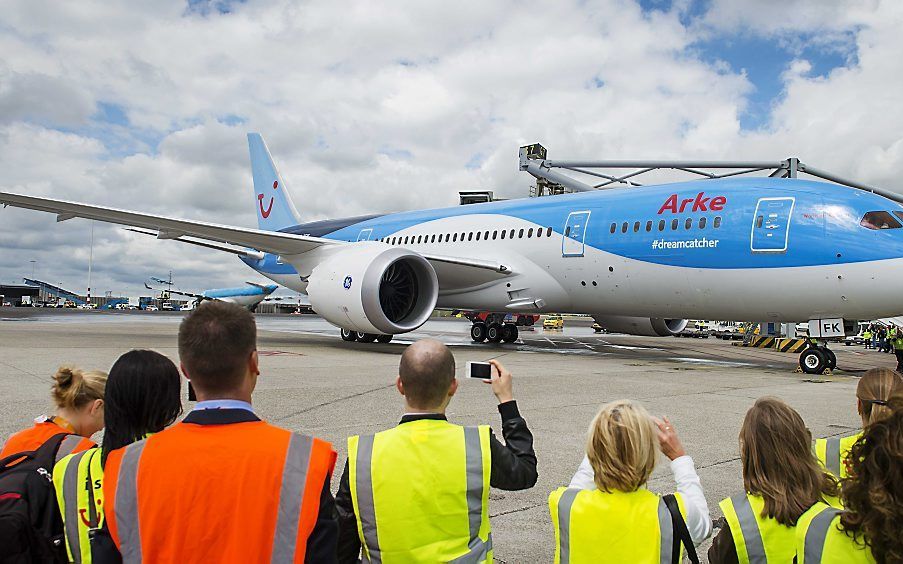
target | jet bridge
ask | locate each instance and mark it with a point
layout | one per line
(549, 181)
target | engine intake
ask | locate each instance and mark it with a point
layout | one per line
(644, 326)
(374, 288)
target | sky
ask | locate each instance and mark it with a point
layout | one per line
(376, 107)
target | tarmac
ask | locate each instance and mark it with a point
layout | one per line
(313, 382)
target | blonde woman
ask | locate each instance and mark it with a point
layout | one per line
(608, 515)
(872, 393)
(78, 396)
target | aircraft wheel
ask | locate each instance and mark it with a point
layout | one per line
(494, 333)
(509, 333)
(478, 332)
(832, 359)
(348, 335)
(813, 361)
(384, 339)
(366, 337)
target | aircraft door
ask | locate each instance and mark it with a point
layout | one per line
(771, 225)
(572, 241)
(365, 235)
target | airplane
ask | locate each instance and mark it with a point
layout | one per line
(640, 259)
(249, 296)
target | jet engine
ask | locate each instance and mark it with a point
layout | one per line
(644, 326)
(374, 288)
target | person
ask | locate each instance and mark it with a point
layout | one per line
(419, 492)
(867, 337)
(141, 398)
(868, 529)
(872, 393)
(607, 514)
(78, 396)
(781, 480)
(221, 485)
(897, 343)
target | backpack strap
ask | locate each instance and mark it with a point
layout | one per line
(681, 533)
(7, 462)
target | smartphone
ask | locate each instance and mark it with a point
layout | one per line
(479, 370)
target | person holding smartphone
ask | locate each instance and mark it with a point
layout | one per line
(419, 492)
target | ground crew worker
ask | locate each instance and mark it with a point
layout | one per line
(898, 349)
(141, 398)
(221, 485)
(781, 479)
(419, 492)
(868, 530)
(607, 514)
(867, 337)
(78, 396)
(872, 393)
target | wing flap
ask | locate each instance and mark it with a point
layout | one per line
(168, 227)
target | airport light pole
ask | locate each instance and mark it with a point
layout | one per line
(32, 267)
(90, 261)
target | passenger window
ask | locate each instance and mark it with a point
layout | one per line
(478, 235)
(539, 231)
(405, 239)
(759, 221)
(511, 234)
(503, 233)
(702, 223)
(661, 225)
(674, 223)
(470, 236)
(613, 227)
(879, 220)
(494, 235)
(455, 238)
(636, 226)
(648, 226)
(530, 233)
(520, 234)
(688, 223)
(717, 223)
(549, 232)
(624, 227)
(486, 236)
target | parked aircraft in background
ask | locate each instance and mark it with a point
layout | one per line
(640, 259)
(248, 296)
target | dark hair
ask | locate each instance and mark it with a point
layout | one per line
(778, 463)
(215, 341)
(142, 397)
(872, 494)
(426, 370)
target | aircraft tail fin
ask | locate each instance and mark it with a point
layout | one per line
(275, 210)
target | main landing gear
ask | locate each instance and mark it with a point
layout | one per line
(351, 336)
(494, 330)
(817, 358)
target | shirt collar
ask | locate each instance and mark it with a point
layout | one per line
(223, 404)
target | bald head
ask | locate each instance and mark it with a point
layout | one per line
(427, 371)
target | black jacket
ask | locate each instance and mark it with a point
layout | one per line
(321, 544)
(513, 467)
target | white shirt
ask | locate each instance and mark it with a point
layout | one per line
(699, 522)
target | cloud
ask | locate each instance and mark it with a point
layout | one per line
(381, 107)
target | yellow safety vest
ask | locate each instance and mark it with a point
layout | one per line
(833, 453)
(421, 493)
(819, 540)
(757, 539)
(78, 480)
(595, 526)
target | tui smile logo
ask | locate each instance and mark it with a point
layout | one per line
(266, 212)
(347, 283)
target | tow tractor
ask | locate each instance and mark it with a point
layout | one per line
(497, 327)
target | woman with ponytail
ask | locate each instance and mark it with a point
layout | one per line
(872, 394)
(78, 396)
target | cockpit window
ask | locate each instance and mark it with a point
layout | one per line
(879, 220)
(899, 215)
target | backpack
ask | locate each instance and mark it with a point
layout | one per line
(31, 528)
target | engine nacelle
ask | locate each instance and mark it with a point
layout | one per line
(374, 288)
(645, 326)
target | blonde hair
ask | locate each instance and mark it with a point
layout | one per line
(621, 446)
(874, 390)
(73, 388)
